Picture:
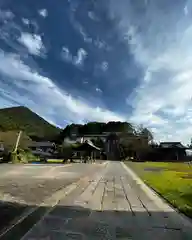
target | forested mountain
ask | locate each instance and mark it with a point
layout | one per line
(22, 118)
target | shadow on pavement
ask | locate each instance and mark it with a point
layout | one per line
(8, 212)
(76, 222)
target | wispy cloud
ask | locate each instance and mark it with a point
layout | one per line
(33, 43)
(87, 36)
(80, 58)
(77, 60)
(164, 93)
(66, 55)
(6, 15)
(43, 13)
(93, 16)
(98, 90)
(39, 91)
(22, 82)
(25, 21)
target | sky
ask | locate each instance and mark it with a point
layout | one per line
(74, 61)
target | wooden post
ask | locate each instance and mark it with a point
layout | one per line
(17, 141)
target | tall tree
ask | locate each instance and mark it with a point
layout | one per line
(145, 134)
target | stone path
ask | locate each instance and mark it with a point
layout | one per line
(111, 205)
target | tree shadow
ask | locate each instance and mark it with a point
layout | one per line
(77, 222)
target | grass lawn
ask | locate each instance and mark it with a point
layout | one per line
(173, 181)
(55, 160)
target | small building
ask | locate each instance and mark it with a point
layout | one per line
(172, 145)
(42, 148)
(172, 151)
(88, 149)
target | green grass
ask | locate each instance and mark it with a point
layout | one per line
(173, 181)
(55, 160)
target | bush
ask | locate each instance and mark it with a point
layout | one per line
(65, 150)
(14, 157)
(20, 156)
(29, 157)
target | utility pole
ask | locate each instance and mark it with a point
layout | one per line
(17, 142)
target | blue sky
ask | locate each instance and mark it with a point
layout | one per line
(87, 60)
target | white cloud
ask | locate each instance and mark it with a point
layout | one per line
(25, 21)
(102, 45)
(165, 55)
(83, 33)
(93, 16)
(80, 58)
(77, 60)
(43, 12)
(79, 28)
(13, 35)
(98, 90)
(87, 37)
(66, 55)
(33, 43)
(6, 15)
(40, 93)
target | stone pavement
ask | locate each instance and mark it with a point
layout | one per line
(111, 205)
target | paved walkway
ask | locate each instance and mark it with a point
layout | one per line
(111, 205)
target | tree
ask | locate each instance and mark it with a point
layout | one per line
(98, 142)
(145, 134)
(123, 127)
(190, 145)
(65, 151)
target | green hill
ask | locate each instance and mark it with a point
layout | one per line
(22, 118)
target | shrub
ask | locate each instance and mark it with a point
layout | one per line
(14, 157)
(21, 156)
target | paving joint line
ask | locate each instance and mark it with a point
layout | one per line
(139, 197)
(103, 195)
(93, 191)
(132, 212)
(114, 195)
(133, 186)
